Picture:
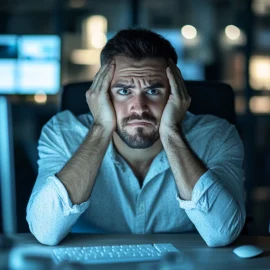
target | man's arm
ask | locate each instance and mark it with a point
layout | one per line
(212, 197)
(69, 164)
(79, 173)
(177, 150)
(56, 203)
(187, 168)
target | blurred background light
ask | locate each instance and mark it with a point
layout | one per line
(231, 36)
(260, 104)
(189, 32)
(261, 7)
(94, 32)
(85, 57)
(232, 32)
(40, 97)
(98, 40)
(259, 70)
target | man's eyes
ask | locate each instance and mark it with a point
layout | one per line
(123, 92)
(152, 92)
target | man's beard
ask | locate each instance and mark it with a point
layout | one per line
(141, 139)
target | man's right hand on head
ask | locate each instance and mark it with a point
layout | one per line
(98, 98)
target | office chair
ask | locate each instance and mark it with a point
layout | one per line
(207, 97)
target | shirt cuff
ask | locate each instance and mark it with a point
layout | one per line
(68, 207)
(204, 193)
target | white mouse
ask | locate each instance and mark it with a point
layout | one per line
(247, 251)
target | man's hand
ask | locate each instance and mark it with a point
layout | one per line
(178, 101)
(98, 98)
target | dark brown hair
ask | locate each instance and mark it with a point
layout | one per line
(138, 43)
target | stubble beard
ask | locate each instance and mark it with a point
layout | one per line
(138, 140)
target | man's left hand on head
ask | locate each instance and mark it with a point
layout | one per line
(178, 101)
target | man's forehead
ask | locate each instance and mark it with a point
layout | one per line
(123, 62)
(152, 70)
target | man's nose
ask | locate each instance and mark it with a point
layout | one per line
(139, 104)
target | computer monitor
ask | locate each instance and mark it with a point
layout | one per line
(7, 175)
(30, 64)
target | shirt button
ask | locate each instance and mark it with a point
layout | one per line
(141, 207)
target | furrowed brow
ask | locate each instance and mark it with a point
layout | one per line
(155, 85)
(127, 86)
(123, 85)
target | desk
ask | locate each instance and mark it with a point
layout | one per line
(196, 254)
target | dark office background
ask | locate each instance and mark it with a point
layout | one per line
(243, 62)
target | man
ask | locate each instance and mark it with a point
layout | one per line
(141, 163)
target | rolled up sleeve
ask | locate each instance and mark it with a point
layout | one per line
(217, 207)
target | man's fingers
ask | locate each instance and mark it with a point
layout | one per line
(182, 83)
(98, 75)
(99, 80)
(107, 77)
(172, 81)
(103, 76)
(95, 79)
(179, 80)
(176, 77)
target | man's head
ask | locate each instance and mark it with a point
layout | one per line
(139, 89)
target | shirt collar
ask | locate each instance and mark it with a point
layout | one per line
(159, 164)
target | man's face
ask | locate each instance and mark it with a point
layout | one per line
(139, 92)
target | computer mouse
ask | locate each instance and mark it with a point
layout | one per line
(247, 251)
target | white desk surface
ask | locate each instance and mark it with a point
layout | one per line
(195, 253)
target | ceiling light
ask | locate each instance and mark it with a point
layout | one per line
(232, 32)
(189, 32)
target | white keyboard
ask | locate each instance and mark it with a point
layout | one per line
(112, 254)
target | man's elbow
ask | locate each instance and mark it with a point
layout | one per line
(48, 238)
(228, 233)
(44, 236)
(219, 240)
(49, 241)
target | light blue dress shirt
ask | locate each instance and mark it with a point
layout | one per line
(119, 205)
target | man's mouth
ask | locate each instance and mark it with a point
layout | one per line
(139, 123)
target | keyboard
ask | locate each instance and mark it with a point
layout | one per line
(112, 254)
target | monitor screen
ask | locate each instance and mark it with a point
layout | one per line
(30, 64)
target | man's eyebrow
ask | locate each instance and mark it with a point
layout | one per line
(123, 85)
(156, 85)
(127, 86)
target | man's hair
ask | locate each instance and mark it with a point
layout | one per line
(137, 43)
